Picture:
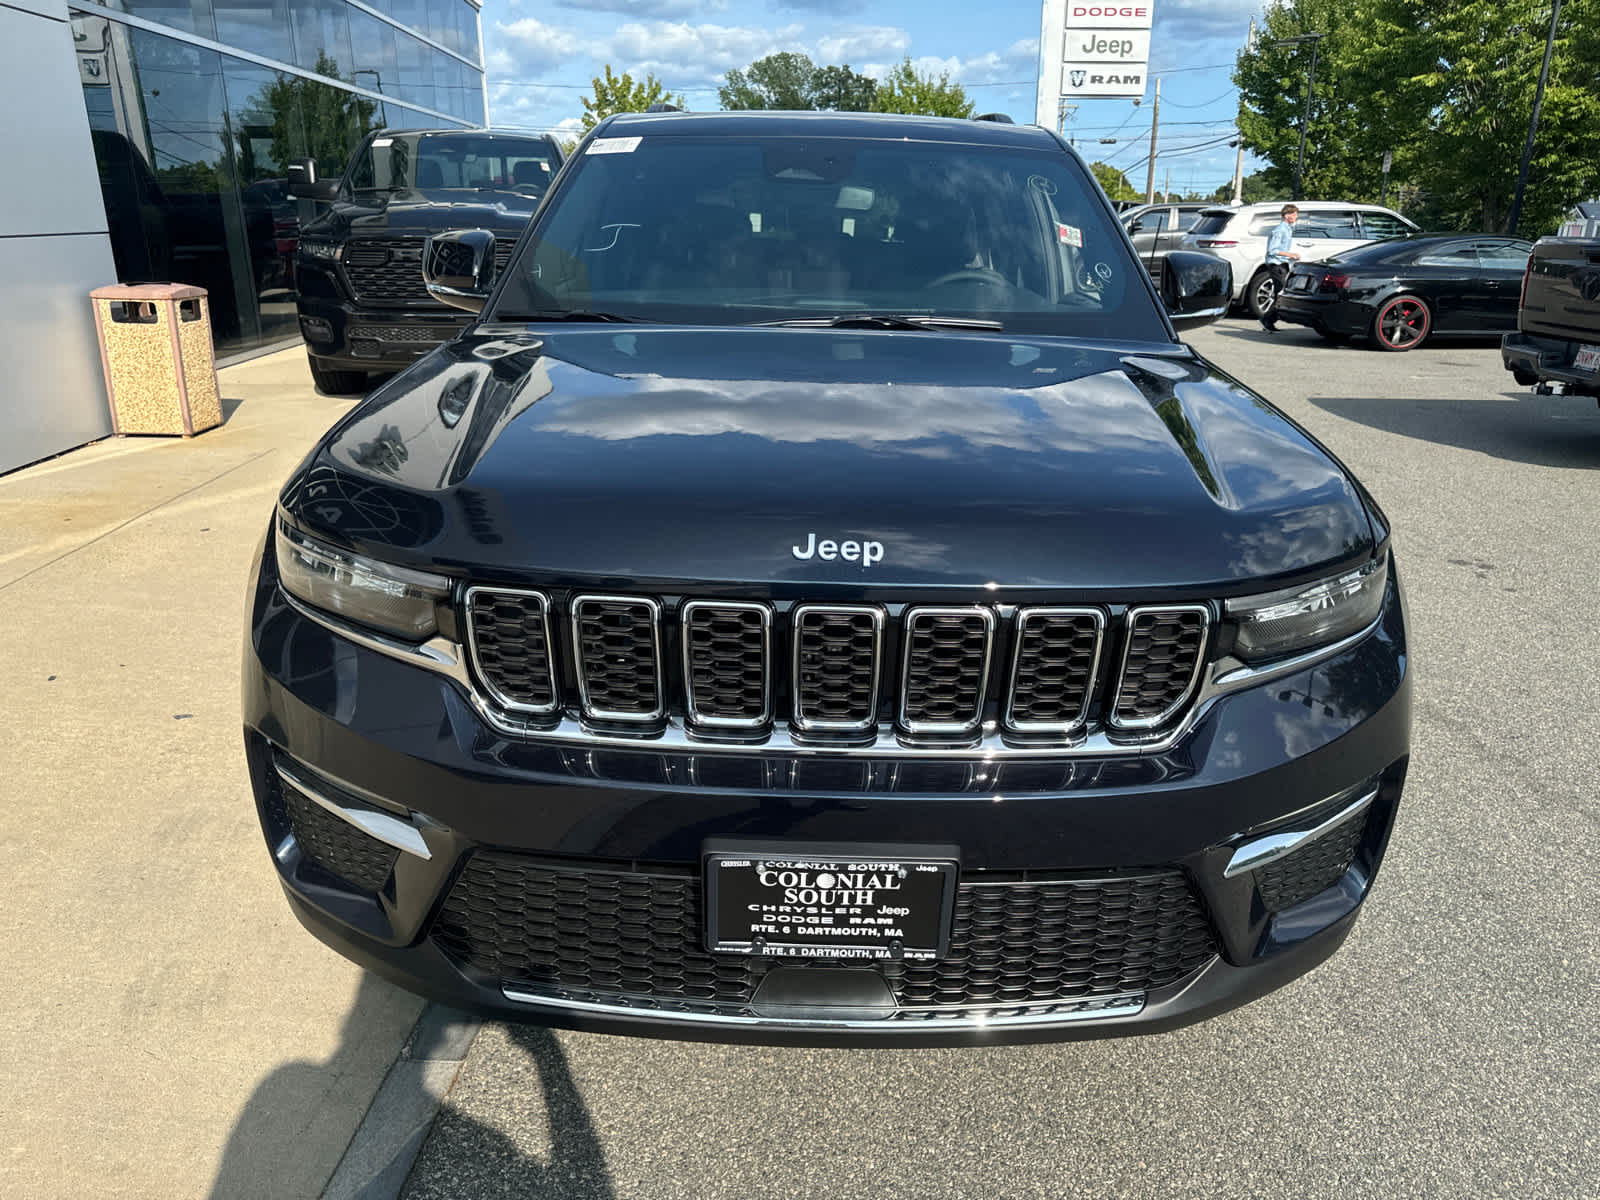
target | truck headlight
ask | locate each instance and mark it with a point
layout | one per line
(1299, 619)
(321, 251)
(394, 599)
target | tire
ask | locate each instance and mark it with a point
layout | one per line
(336, 383)
(1261, 294)
(1402, 323)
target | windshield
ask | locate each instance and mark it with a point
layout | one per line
(443, 161)
(751, 230)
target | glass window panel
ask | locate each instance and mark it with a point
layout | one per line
(191, 16)
(377, 65)
(1382, 225)
(415, 70)
(321, 30)
(260, 26)
(467, 23)
(413, 14)
(441, 21)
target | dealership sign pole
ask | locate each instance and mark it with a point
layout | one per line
(1091, 51)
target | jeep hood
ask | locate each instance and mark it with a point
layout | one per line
(611, 455)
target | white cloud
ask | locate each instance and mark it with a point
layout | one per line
(1185, 21)
(529, 45)
(681, 54)
(1017, 62)
(665, 9)
(856, 44)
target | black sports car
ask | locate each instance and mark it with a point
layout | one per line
(821, 598)
(1405, 290)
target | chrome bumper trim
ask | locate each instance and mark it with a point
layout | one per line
(1253, 855)
(391, 831)
(1060, 1012)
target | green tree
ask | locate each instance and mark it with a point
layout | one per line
(1255, 190)
(1447, 88)
(906, 90)
(839, 89)
(1114, 182)
(619, 94)
(778, 81)
(311, 118)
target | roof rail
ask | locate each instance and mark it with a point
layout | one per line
(1002, 118)
(663, 106)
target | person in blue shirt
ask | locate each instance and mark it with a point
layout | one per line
(1279, 256)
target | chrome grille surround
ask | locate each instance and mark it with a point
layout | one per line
(1042, 615)
(586, 610)
(913, 659)
(484, 653)
(1130, 627)
(805, 614)
(696, 705)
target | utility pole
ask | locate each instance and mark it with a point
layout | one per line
(1166, 186)
(1533, 124)
(1305, 113)
(1155, 123)
(1238, 173)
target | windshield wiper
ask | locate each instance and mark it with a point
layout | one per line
(887, 321)
(570, 314)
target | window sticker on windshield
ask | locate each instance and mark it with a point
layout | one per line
(1070, 235)
(614, 145)
(379, 143)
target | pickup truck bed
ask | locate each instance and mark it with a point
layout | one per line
(1558, 324)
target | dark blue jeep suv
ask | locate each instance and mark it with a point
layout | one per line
(820, 599)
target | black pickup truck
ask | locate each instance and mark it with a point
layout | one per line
(363, 306)
(1557, 343)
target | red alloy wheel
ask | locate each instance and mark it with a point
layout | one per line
(1402, 323)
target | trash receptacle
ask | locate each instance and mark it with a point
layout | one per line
(155, 346)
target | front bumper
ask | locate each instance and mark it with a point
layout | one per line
(1547, 360)
(346, 337)
(548, 883)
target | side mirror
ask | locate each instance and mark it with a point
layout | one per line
(1135, 226)
(458, 267)
(304, 183)
(1195, 287)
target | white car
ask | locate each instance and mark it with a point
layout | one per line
(1325, 228)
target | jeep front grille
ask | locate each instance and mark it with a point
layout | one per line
(737, 668)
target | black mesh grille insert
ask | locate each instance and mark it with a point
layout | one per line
(618, 656)
(1301, 875)
(1164, 646)
(511, 641)
(946, 661)
(725, 659)
(640, 936)
(836, 667)
(1056, 659)
(335, 845)
(389, 270)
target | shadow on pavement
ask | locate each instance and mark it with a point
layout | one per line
(266, 1154)
(472, 1160)
(1547, 431)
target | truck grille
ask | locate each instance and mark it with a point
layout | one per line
(728, 653)
(639, 937)
(388, 271)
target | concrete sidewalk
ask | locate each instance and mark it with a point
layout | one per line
(168, 1029)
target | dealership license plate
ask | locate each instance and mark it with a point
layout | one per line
(1587, 358)
(823, 901)
(1300, 283)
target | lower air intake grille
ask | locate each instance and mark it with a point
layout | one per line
(1301, 875)
(617, 644)
(639, 937)
(336, 846)
(725, 655)
(510, 634)
(1057, 655)
(1161, 664)
(836, 657)
(946, 668)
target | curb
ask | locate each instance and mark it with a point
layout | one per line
(380, 1155)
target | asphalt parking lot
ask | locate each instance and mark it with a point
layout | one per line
(1449, 1050)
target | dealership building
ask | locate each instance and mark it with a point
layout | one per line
(149, 140)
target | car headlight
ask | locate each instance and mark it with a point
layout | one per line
(394, 599)
(321, 251)
(1298, 619)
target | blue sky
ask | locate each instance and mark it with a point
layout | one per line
(541, 55)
